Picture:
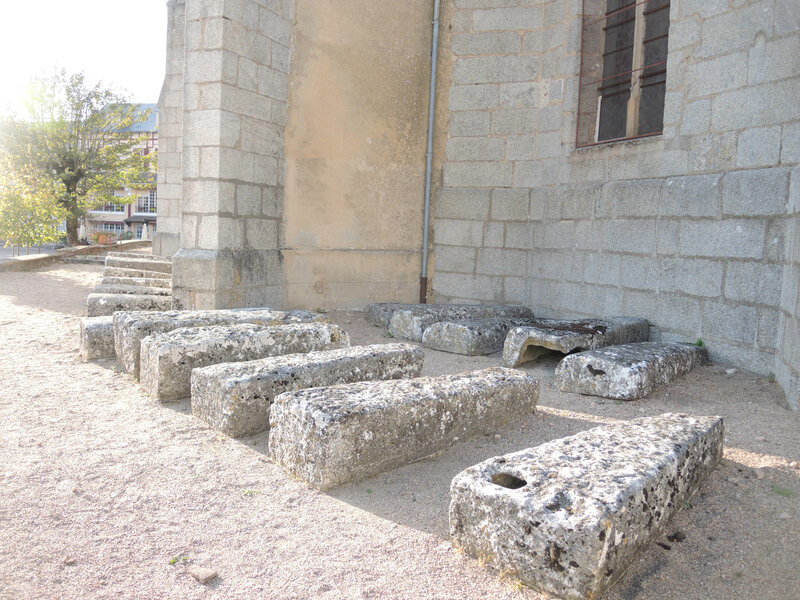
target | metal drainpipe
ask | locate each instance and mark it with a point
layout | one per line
(423, 280)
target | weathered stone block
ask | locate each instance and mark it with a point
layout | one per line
(99, 305)
(470, 336)
(120, 272)
(570, 516)
(167, 359)
(235, 398)
(97, 338)
(138, 281)
(330, 436)
(411, 323)
(524, 344)
(131, 327)
(628, 371)
(143, 264)
(107, 288)
(380, 314)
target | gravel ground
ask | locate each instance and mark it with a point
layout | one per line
(105, 494)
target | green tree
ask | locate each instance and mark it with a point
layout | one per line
(79, 137)
(30, 214)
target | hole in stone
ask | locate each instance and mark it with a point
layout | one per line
(533, 353)
(507, 480)
(594, 371)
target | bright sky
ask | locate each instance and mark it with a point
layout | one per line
(119, 42)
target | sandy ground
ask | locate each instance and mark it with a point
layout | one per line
(104, 494)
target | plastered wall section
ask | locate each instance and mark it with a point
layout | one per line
(689, 229)
(355, 147)
(237, 56)
(170, 136)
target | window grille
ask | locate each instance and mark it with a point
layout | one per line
(623, 70)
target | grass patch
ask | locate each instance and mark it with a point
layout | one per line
(251, 492)
(182, 558)
(782, 491)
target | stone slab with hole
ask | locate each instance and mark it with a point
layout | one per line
(330, 436)
(526, 344)
(471, 337)
(97, 338)
(235, 398)
(106, 288)
(137, 281)
(167, 359)
(101, 305)
(411, 323)
(139, 263)
(570, 516)
(131, 327)
(629, 371)
(139, 273)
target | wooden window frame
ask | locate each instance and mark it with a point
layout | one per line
(637, 72)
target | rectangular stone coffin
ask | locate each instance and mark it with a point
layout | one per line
(330, 436)
(628, 371)
(380, 314)
(235, 398)
(470, 336)
(570, 516)
(411, 323)
(101, 305)
(131, 327)
(137, 281)
(167, 359)
(97, 338)
(105, 288)
(143, 263)
(524, 344)
(118, 272)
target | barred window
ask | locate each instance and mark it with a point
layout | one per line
(623, 69)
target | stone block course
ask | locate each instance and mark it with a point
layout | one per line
(570, 516)
(330, 436)
(135, 273)
(107, 288)
(137, 281)
(235, 398)
(167, 359)
(131, 327)
(628, 371)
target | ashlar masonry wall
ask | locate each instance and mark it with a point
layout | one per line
(689, 229)
(236, 63)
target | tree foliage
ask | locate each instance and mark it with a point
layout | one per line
(77, 142)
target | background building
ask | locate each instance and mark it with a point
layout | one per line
(137, 218)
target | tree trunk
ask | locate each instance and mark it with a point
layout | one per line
(72, 231)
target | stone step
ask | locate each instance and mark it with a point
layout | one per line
(525, 344)
(570, 516)
(98, 305)
(235, 398)
(411, 323)
(140, 281)
(628, 371)
(167, 359)
(472, 337)
(131, 327)
(137, 273)
(144, 264)
(142, 255)
(106, 288)
(97, 338)
(329, 436)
